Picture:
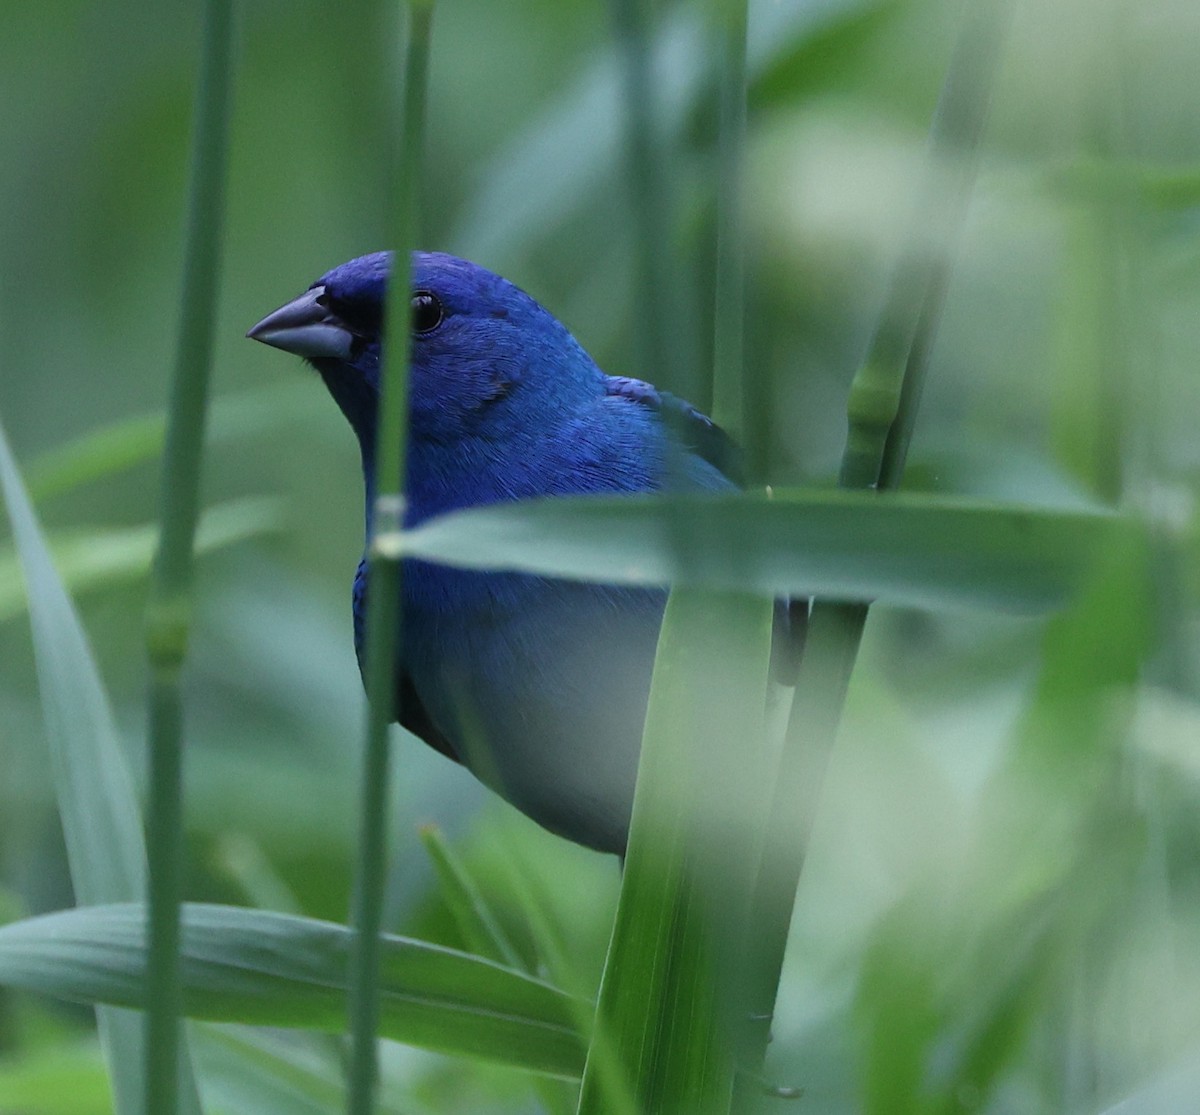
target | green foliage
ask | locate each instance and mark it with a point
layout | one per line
(96, 803)
(271, 969)
(669, 1007)
(95, 559)
(915, 550)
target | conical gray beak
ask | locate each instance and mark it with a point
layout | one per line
(305, 327)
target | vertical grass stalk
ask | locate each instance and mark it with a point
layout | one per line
(882, 409)
(667, 1008)
(664, 1038)
(660, 331)
(387, 516)
(728, 394)
(168, 617)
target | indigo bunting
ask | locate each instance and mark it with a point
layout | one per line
(539, 686)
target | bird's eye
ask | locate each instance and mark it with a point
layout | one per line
(427, 312)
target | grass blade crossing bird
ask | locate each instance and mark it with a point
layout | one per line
(537, 685)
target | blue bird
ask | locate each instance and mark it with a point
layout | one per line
(538, 686)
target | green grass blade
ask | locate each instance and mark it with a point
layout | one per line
(168, 614)
(472, 915)
(268, 969)
(96, 799)
(668, 1015)
(729, 307)
(649, 182)
(918, 550)
(100, 816)
(267, 1072)
(402, 149)
(94, 559)
(122, 445)
(537, 179)
(557, 1097)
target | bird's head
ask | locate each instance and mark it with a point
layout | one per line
(476, 340)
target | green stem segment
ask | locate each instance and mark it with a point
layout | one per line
(658, 314)
(383, 601)
(169, 612)
(728, 409)
(882, 409)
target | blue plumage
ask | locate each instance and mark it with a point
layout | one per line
(538, 686)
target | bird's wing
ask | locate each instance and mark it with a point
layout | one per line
(696, 430)
(413, 715)
(415, 719)
(707, 440)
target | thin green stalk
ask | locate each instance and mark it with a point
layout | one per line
(882, 409)
(659, 318)
(383, 600)
(485, 936)
(955, 140)
(477, 923)
(728, 409)
(657, 313)
(168, 618)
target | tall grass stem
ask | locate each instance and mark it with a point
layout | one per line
(169, 610)
(658, 286)
(729, 308)
(383, 599)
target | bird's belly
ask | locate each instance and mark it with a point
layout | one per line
(542, 691)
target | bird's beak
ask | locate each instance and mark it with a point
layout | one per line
(305, 327)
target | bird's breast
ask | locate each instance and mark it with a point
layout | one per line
(541, 686)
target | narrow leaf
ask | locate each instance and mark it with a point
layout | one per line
(479, 926)
(668, 1006)
(96, 800)
(95, 558)
(917, 550)
(111, 449)
(268, 969)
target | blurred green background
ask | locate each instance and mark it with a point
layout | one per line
(1064, 373)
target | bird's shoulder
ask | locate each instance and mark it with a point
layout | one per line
(692, 427)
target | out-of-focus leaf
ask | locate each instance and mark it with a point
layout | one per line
(270, 969)
(112, 449)
(542, 175)
(995, 471)
(479, 927)
(10, 906)
(918, 550)
(269, 1072)
(242, 860)
(65, 1080)
(1158, 187)
(1173, 1093)
(92, 559)
(96, 800)
(957, 974)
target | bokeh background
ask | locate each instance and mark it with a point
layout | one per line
(1064, 374)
